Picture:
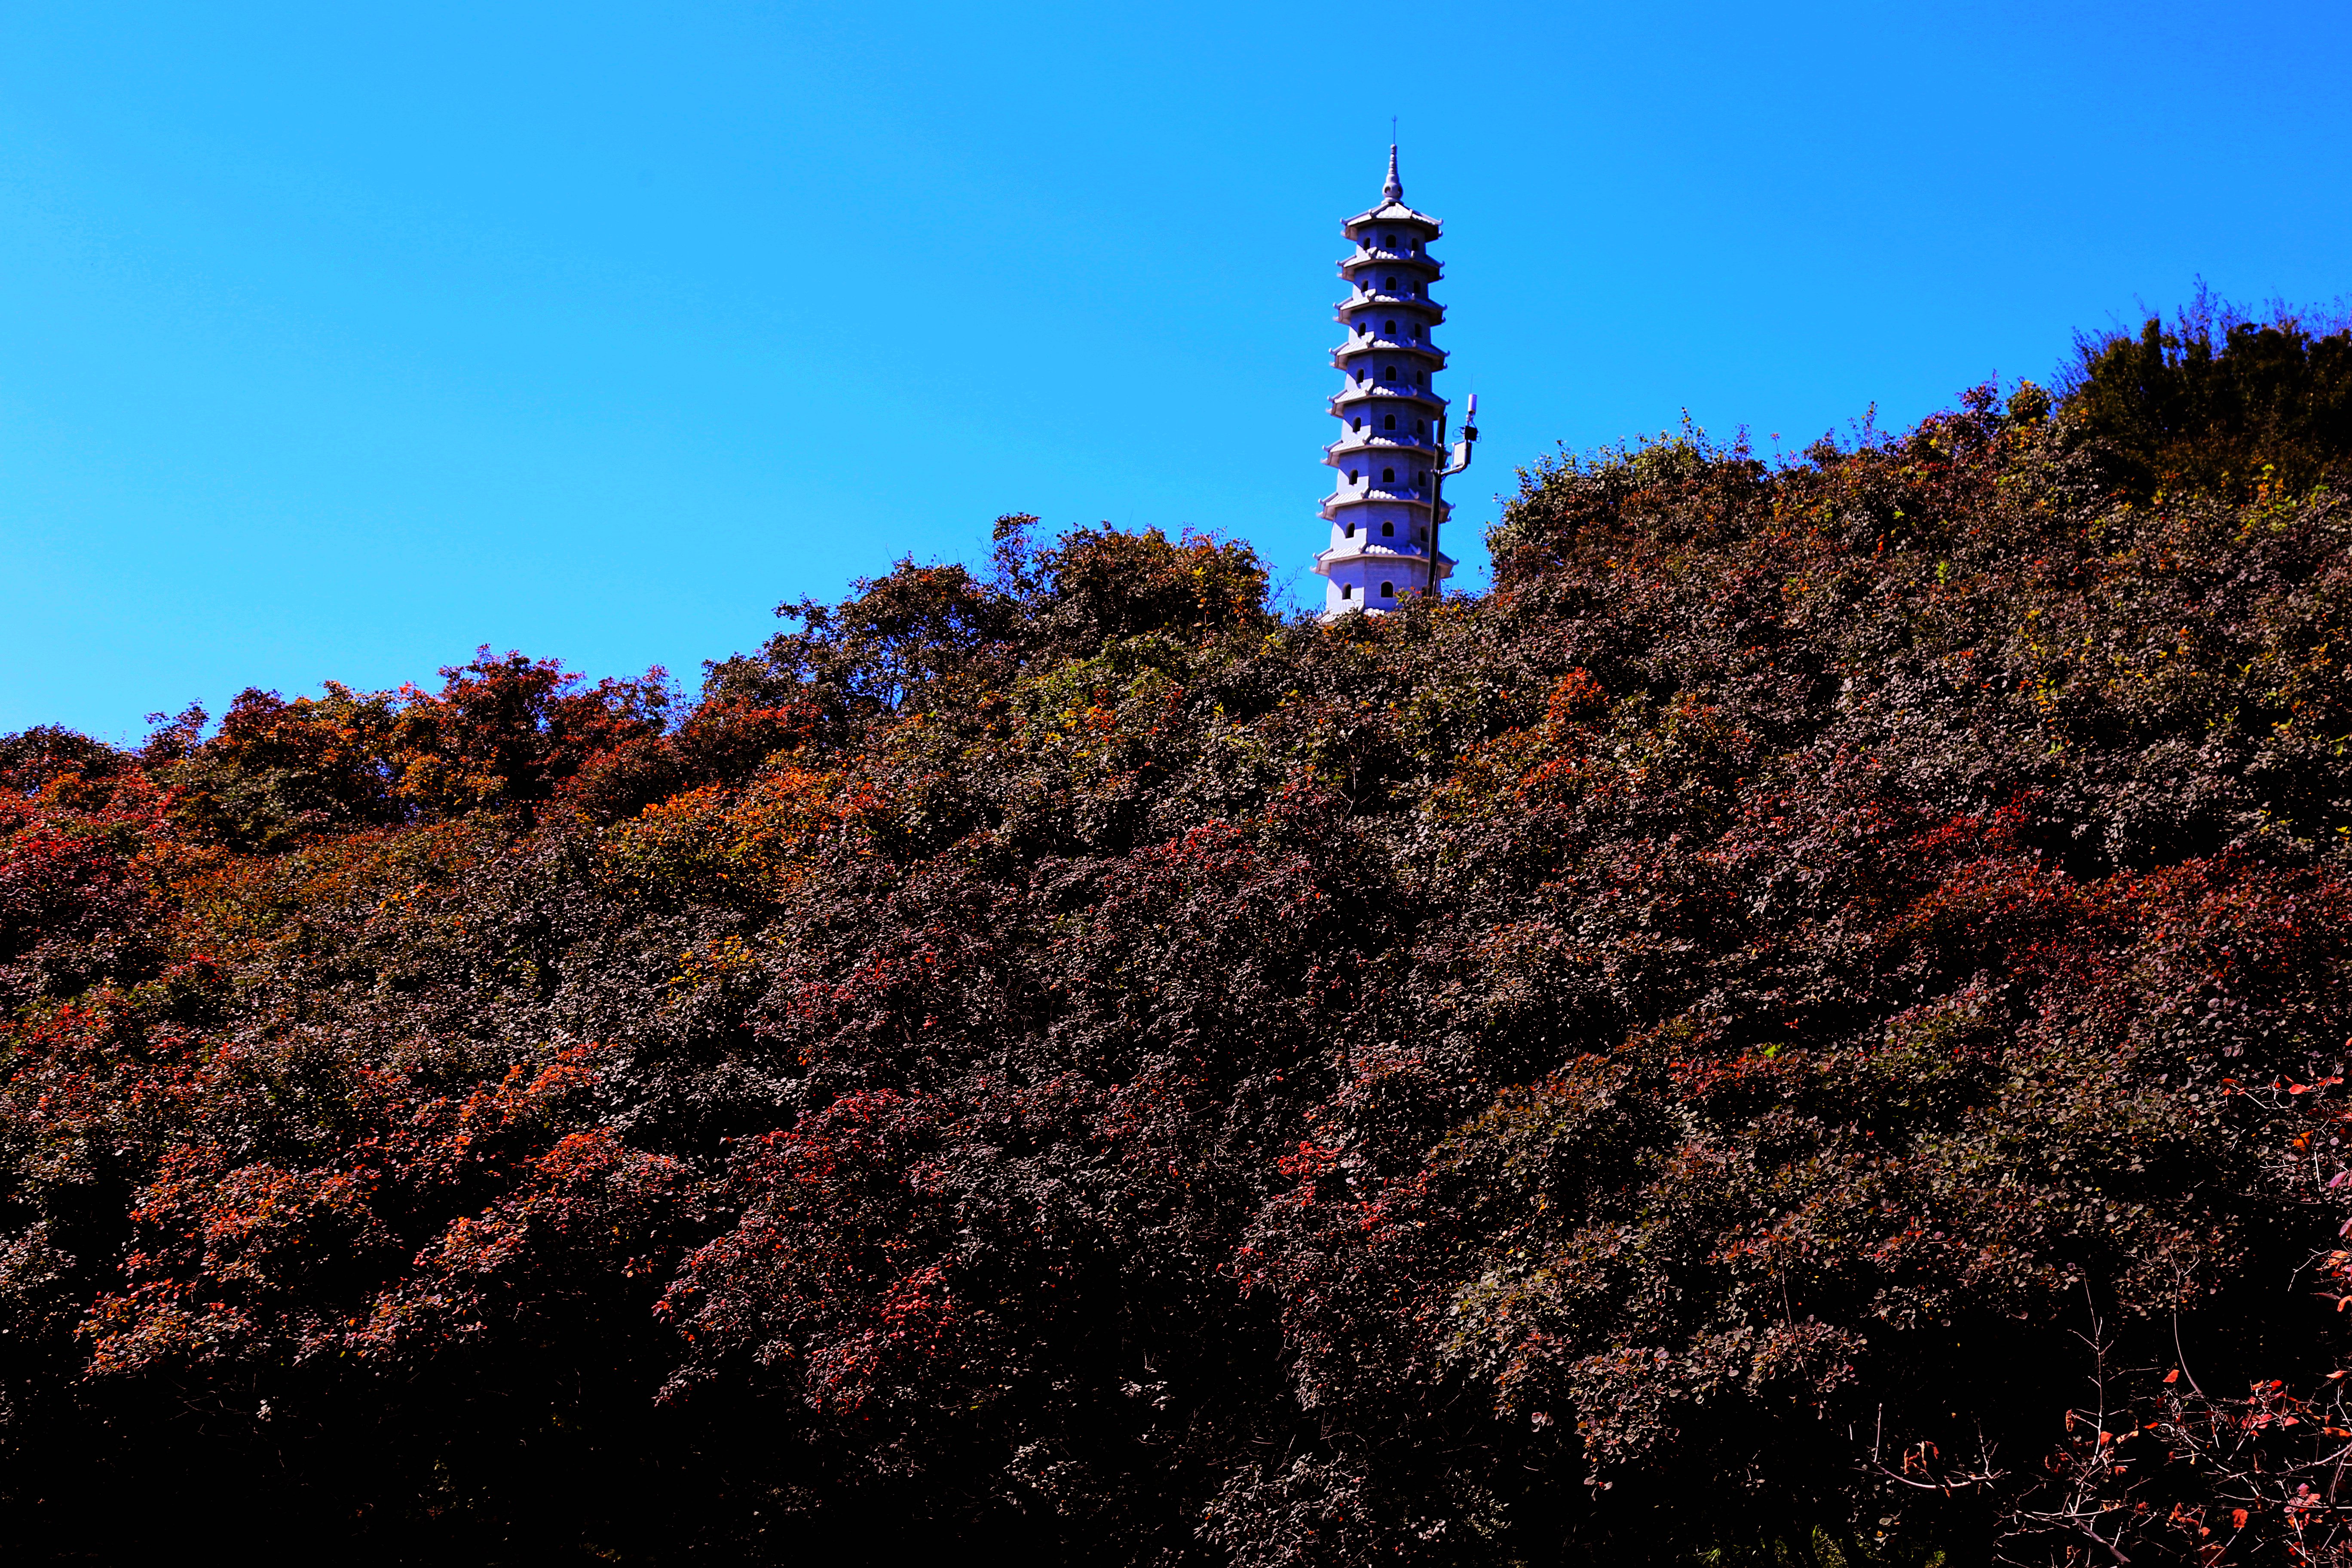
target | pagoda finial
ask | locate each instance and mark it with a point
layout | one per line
(1394, 190)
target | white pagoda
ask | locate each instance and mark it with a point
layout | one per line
(1391, 457)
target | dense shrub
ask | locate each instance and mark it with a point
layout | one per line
(2221, 401)
(1806, 1025)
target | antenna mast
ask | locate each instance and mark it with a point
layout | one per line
(1460, 459)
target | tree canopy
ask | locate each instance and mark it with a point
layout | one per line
(1805, 1028)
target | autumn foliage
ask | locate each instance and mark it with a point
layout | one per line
(1808, 1025)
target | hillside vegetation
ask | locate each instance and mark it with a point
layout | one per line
(1806, 1028)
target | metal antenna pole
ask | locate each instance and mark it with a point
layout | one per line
(1437, 480)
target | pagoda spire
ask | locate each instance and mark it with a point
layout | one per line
(1391, 452)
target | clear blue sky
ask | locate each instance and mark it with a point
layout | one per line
(335, 340)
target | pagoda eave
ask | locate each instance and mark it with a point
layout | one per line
(1434, 359)
(1393, 211)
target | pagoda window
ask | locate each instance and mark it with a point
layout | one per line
(1388, 476)
(1389, 422)
(1347, 590)
(1388, 590)
(1387, 373)
(1349, 532)
(1389, 241)
(1420, 426)
(1388, 326)
(1391, 281)
(1388, 530)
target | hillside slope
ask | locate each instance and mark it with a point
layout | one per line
(1681, 1055)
